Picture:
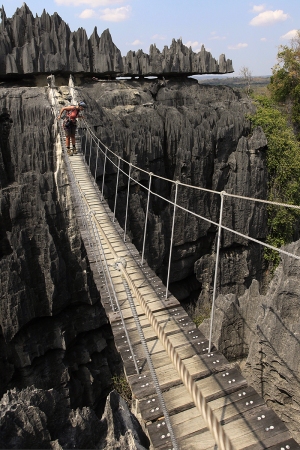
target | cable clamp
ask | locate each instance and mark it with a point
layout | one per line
(120, 261)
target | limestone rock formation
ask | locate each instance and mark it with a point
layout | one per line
(53, 328)
(265, 329)
(36, 418)
(200, 136)
(54, 333)
(176, 60)
(32, 45)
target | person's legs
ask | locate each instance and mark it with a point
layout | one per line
(70, 137)
(73, 131)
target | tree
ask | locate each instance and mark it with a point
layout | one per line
(283, 163)
(285, 80)
(246, 73)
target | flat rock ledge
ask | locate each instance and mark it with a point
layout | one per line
(45, 44)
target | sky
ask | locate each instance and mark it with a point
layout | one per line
(247, 32)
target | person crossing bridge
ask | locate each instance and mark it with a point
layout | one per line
(72, 113)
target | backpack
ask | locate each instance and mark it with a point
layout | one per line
(72, 115)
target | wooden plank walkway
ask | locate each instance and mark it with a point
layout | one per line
(246, 419)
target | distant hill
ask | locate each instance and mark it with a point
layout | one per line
(258, 84)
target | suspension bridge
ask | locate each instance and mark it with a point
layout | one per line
(184, 391)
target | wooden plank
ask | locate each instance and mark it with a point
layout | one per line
(161, 316)
(168, 376)
(226, 409)
(184, 344)
(285, 444)
(178, 399)
(219, 383)
(185, 349)
(245, 432)
(149, 334)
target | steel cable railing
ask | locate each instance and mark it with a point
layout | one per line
(212, 422)
(221, 438)
(88, 224)
(214, 426)
(148, 357)
(82, 203)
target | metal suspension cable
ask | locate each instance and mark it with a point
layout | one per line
(86, 218)
(216, 275)
(96, 165)
(150, 363)
(107, 276)
(127, 201)
(116, 192)
(212, 422)
(146, 218)
(221, 439)
(211, 191)
(84, 212)
(117, 302)
(103, 178)
(100, 196)
(91, 145)
(106, 271)
(264, 244)
(172, 236)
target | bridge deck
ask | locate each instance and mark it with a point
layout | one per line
(245, 417)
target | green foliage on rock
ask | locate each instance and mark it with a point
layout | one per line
(283, 162)
(121, 385)
(285, 81)
(199, 314)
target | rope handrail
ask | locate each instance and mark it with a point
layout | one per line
(210, 191)
(212, 422)
(221, 438)
(226, 194)
(146, 171)
(218, 432)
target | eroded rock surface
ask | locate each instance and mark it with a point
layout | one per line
(32, 45)
(266, 330)
(199, 135)
(54, 331)
(36, 418)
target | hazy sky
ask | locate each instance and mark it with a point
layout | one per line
(247, 32)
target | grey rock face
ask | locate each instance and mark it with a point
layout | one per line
(35, 418)
(234, 324)
(32, 45)
(53, 327)
(265, 329)
(174, 60)
(273, 363)
(198, 135)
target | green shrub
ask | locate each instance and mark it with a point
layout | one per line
(283, 163)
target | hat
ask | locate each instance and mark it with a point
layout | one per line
(82, 104)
